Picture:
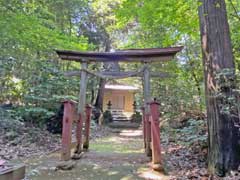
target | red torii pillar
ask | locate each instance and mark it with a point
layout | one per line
(67, 130)
(155, 134)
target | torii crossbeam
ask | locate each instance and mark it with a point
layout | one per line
(128, 55)
(145, 56)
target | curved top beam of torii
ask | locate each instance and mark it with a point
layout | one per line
(128, 55)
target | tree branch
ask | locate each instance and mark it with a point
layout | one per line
(235, 10)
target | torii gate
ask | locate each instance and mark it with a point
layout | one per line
(150, 110)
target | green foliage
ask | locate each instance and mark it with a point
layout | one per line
(233, 8)
(167, 23)
(32, 76)
(29, 34)
(227, 93)
(34, 115)
(194, 132)
(160, 23)
(9, 121)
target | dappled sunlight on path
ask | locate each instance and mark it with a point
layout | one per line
(118, 156)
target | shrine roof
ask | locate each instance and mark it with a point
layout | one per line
(120, 87)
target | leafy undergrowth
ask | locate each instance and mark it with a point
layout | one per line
(19, 139)
(185, 147)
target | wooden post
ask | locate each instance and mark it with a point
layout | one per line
(81, 104)
(148, 134)
(147, 98)
(87, 126)
(67, 130)
(156, 145)
(144, 126)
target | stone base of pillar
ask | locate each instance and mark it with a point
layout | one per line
(157, 167)
(77, 156)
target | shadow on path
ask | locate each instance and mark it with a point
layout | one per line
(118, 156)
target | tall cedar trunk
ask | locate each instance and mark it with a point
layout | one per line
(102, 82)
(100, 94)
(223, 134)
(108, 66)
(92, 95)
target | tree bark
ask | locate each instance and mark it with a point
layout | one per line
(108, 66)
(100, 94)
(198, 86)
(223, 126)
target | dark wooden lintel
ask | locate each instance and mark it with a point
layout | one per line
(119, 75)
(137, 55)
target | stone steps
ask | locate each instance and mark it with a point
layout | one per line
(119, 115)
(123, 125)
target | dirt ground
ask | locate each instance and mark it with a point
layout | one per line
(117, 156)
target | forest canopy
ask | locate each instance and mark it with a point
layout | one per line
(31, 30)
(32, 79)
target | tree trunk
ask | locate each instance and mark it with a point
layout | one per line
(218, 62)
(108, 66)
(198, 85)
(99, 100)
(92, 95)
(102, 82)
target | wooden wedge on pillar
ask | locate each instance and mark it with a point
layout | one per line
(87, 127)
